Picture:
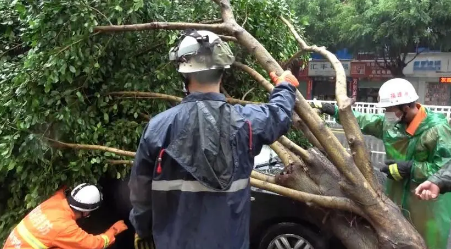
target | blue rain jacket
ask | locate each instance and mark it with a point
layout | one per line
(189, 185)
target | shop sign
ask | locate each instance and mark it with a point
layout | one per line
(446, 80)
(323, 68)
(427, 65)
(369, 70)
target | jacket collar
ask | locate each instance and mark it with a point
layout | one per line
(419, 117)
(197, 96)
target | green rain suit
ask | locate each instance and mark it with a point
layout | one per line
(430, 149)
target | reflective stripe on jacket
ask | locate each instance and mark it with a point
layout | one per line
(190, 179)
(52, 225)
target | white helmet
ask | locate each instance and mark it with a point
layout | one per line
(395, 92)
(199, 51)
(85, 198)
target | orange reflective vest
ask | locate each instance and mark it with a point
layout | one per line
(52, 225)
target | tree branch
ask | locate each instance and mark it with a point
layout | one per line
(284, 156)
(352, 131)
(298, 123)
(228, 38)
(254, 74)
(304, 154)
(146, 95)
(263, 177)
(415, 56)
(250, 90)
(331, 202)
(122, 162)
(211, 21)
(294, 57)
(59, 144)
(224, 91)
(219, 28)
(226, 11)
(151, 95)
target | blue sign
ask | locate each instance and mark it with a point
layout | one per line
(427, 65)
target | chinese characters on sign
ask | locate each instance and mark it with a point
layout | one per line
(319, 68)
(446, 80)
(369, 70)
(427, 65)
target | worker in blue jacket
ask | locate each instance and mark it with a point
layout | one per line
(189, 185)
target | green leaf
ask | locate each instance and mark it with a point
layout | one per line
(72, 69)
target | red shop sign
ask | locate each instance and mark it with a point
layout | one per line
(369, 70)
(446, 80)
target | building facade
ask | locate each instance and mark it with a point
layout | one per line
(430, 74)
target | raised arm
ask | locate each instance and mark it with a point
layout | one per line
(272, 120)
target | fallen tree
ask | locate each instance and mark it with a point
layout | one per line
(349, 187)
(339, 186)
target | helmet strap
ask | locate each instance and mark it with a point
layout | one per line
(185, 85)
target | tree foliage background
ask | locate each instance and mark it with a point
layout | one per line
(56, 73)
(389, 29)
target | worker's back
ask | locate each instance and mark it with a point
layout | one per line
(202, 152)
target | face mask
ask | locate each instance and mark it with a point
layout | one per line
(391, 118)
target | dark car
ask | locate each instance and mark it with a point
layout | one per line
(277, 222)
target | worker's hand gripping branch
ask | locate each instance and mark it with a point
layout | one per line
(143, 243)
(397, 170)
(286, 76)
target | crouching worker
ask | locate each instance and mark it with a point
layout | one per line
(52, 224)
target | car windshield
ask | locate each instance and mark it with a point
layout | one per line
(268, 162)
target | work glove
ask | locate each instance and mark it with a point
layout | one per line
(144, 243)
(324, 107)
(286, 76)
(118, 227)
(397, 170)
